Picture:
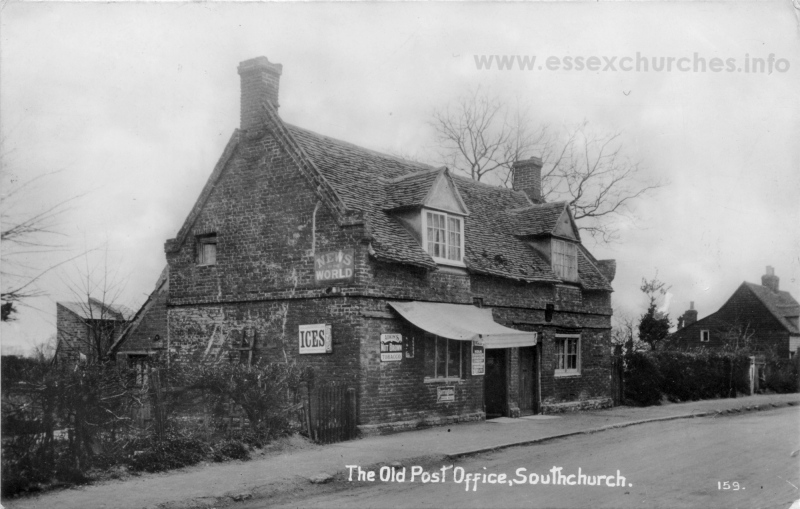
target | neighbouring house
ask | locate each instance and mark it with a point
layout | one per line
(85, 331)
(437, 298)
(759, 316)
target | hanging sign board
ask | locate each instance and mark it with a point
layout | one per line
(478, 359)
(315, 338)
(391, 347)
(334, 266)
(445, 394)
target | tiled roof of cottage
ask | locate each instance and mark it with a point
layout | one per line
(781, 304)
(409, 190)
(374, 183)
(537, 219)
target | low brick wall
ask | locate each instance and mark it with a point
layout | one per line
(393, 427)
(576, 406)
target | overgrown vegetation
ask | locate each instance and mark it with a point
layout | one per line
(61, 424)
(704, 374)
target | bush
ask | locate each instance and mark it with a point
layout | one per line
(230, 449)
(175, 451)
(642, 380)
(684, 376)
(781, 375)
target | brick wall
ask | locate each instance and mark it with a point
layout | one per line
(269, 225)
(71, 334)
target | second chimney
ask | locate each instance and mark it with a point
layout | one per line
(770, 280)
(260, 80)
(527, 177)
(690, 315)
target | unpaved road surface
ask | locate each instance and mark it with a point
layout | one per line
(682, 463)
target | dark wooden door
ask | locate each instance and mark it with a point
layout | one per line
(527, 381)
(494, 383)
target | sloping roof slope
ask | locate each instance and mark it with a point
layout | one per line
(780, 304)
(96, 310)
(538, 219)
(374, 183)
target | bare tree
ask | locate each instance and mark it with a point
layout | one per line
(31, 244)
(480, 136)
(97, 288)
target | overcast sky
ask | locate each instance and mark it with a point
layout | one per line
(135, 102)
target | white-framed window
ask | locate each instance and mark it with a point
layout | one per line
(564, 256)
(443, 237)
(705, 336)
(207, 250)
(568, 354)
(443, 358)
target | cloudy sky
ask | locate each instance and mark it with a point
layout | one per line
(133, 103)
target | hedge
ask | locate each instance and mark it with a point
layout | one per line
(684, 376)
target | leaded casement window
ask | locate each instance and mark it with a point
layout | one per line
(443, 358)
(564, 258)
(443, 236)
(568, 354)
(207, 250)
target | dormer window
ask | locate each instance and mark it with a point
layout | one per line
(564, 258)
(444, 237)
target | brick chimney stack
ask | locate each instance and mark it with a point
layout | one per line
(690, 315)
(527, 177)
(260, 80)
(770, 280)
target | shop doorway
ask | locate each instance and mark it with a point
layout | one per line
(494, 383)
(528, 380)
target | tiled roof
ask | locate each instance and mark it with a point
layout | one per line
(409, 190)
(94, 310)
(374, 183)
(781, 304)
(537, 219)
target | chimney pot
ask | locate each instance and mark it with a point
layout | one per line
(527, 177)
(260, 82)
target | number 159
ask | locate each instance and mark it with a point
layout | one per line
(725, 485)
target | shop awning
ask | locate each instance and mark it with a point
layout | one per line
(462, 322)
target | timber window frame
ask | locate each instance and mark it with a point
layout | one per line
(444, 359)
(443, 236)
(705, 336)
(564, 259)
(567, 355)
(207, 249)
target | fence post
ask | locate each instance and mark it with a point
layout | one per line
(351, 413)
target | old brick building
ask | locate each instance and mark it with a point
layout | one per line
(86, 330)
(759, 316)
(404, 280)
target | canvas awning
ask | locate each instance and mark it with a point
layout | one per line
(463, 322)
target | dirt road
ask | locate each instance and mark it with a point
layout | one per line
(744, 461)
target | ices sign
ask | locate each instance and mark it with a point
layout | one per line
(315, 338)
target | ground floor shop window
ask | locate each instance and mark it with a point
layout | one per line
(443, 358)
(568, 354)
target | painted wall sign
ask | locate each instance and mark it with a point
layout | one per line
(334, 266)
(445, 394)
(391, 347)
(315, 338)
(478, 359)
